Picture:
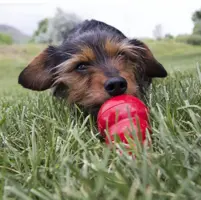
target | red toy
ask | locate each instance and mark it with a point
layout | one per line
(119, 115)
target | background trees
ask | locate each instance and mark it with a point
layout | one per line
(56, 29)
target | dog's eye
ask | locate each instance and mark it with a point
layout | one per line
(121, 55)
(82, 67)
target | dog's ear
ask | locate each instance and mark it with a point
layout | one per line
(152, 67)
(37, 75)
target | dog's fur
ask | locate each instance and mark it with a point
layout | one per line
(93, 53)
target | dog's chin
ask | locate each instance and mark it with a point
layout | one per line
(92, 110)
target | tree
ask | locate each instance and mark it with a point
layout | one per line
(42, 27)
(158, 32)
(197, 28)
(169, 36)
(56, 29)
(61, 24)
(195, 38)
(196, 17)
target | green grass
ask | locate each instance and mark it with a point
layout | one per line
(176, 56)
(13, 59)
(50, 151)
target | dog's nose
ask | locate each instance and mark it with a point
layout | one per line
(115, 86)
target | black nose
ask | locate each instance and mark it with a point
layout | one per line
(115, 86)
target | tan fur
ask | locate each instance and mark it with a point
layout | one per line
(88, 53)
(127, 70)
(114, 48)
(88, 90)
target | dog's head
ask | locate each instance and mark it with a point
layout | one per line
(91, 68)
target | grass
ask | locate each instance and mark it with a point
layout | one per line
(49, 151)
(13, 59)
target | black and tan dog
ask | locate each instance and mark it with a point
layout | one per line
(94, 63)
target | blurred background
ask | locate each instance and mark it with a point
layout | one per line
(171, 28)
(40, 20)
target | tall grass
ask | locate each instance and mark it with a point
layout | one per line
(50, 151)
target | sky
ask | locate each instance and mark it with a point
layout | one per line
(136, 18)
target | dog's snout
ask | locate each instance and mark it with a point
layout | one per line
(115, 86)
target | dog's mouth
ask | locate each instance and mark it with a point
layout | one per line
(94, 109)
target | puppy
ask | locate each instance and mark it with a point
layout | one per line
(93, 64)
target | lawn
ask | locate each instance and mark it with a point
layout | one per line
(49, 151)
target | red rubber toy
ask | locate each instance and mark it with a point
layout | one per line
(119, 115)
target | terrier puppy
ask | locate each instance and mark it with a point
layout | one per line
(93, 64)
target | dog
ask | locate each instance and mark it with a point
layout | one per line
(94, 63)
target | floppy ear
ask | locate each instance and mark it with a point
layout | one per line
(37, 75)
(152, 67)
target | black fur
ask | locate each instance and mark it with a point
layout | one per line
(94, 34)
(89, 33)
